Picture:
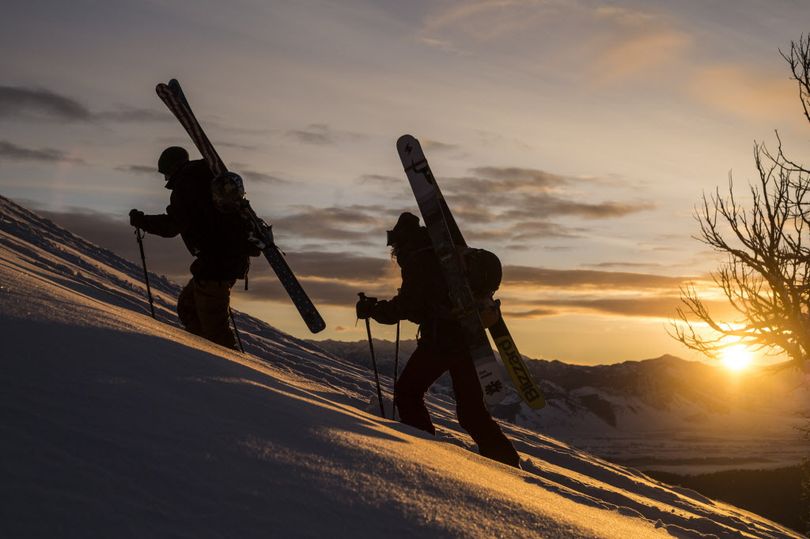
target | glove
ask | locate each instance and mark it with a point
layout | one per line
(365, 306)
(137, 218)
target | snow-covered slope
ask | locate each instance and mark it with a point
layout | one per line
(116, 425)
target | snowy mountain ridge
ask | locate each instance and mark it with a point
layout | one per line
(114, 424)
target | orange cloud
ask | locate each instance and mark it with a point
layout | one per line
(639, 53)
(744, 92)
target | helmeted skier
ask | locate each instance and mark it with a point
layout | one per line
(218, 240)
(423, 299)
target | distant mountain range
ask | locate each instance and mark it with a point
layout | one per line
(669, 413)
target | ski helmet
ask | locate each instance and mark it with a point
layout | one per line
(406, 227)
(171, 160)
(228, 192)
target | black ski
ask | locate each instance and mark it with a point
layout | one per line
(447, 238)
(172, 95)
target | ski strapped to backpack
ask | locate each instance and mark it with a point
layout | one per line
(429, 200)
(261, 233)
(462, 268)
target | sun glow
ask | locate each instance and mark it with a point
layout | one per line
(736, 358)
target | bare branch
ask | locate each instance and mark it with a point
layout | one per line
(766, 276)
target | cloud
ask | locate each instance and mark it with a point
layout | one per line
(649, 307)
(484, 20)
(128, 114)
(654, 307)
(532, 230)
(660, 306)
(506, 179)
(39, 103)
(381, 179)
(503, 203)
(551, 205)
(348, 223)
(138, 169)
(12, 152)
(637, 55)
(548, 278)
(259, 177)
(744, 92)
(321, 134)
(20, 102)
(436, 146)
(625, 16)
(253, 176)
(317, 134)
(624, 265)
(341, 266)
(238, 146)
(537, 312)
(523, 192)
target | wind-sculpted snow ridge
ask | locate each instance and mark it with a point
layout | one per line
(116, 425)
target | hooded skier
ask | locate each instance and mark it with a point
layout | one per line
(216, 236)
(423, 299)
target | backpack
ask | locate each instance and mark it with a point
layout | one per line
(484, 274)
(484, 271)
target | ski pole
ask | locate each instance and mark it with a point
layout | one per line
(236, 331)
(396, 375)
(139, 234)
(374, 362)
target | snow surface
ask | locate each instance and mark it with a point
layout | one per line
(116, 425)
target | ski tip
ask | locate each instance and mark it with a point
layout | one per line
(405, 140)
(410, 151)
(174, 86)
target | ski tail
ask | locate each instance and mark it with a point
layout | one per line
(309, 313)
(299, 297)
(518, 371)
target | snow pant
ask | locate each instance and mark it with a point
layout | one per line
(424, 367)
(204, 309)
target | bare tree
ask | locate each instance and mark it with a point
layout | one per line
(766, 277)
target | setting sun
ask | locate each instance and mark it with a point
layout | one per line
(736, 358)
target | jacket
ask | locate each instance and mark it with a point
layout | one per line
(217, 240)
(423, 297)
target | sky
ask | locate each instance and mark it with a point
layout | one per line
(572, 138)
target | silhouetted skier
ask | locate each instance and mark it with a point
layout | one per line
(423, 299)
(217, 240)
